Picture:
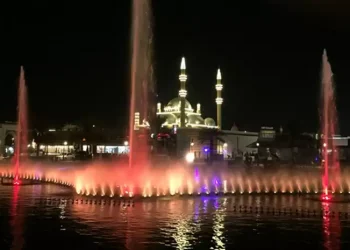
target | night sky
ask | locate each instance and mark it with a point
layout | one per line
(77, 59)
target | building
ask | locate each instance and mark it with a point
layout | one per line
(237, 142)
(183, 129)
(343, 146)
(178, 113)
(283, 147)
(72, 138)
(7, 137)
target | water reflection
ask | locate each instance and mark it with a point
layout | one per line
(16, 220)
(207, 222)
(62, 208)
(331, 228)
(218, 224)
(186, 223)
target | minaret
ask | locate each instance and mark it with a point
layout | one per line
(198, 108)
(182, 92)
(159, 107)
(137, 121)
(218, 99)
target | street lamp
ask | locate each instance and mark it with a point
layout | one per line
(126, 143)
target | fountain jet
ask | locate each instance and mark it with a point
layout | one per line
(22, 131)
(142, 85)
(329, 126)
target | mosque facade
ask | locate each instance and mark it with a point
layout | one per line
(179, 113)
(187, 130)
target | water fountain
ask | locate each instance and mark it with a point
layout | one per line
(142, 85)
(22, 127)
(329, 127)
(101, 179)
(252, 192)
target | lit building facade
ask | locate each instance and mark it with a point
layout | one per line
(203, 137)
(7, 137)
(72, 139)
(237, 143)
(178, 113)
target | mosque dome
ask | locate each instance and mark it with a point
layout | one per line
(209, 122)
(175, 103)
(195, 120)
(171, 120)
(234, 127)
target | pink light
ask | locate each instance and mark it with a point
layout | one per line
(16, 181)
(326, 197)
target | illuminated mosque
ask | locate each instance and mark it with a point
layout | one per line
(186, 129)
(178, 113)
(203, 137)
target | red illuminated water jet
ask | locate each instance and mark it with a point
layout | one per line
(329, 125)
(22, 130)
(142, 108)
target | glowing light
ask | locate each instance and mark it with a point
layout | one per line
(190, 157)
(136, 121)
(183, 64)
(65, 143)
(198, 108)
(219, 100)
(182, 93)
(183, 78)
(126, 143)
(218, 75)
(325, 197)
(219, 87)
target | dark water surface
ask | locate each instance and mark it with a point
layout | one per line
(212, 222)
